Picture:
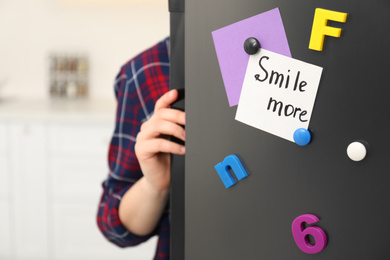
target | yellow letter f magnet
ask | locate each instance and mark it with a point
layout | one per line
(320, 27)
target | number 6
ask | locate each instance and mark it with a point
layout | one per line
(300, 234)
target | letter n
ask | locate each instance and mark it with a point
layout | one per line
(320, 27)
(231, 162)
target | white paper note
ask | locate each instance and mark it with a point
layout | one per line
(278, 94)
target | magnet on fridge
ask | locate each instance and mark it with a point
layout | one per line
(357, 151)
(231, 162)
(302, 137)
(252, 46)
(321, 29)
(301, 232)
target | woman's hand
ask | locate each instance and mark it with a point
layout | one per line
(143, 204)
(153, 147)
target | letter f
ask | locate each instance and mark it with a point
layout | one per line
(320, 27)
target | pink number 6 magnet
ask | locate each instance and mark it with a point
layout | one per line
(300, 234)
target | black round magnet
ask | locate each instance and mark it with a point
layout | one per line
(252, 46)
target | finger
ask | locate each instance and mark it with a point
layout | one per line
(157, 128)
(172, 115)
(160, 145)
(166, 100)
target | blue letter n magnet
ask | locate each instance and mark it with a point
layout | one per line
(231, 162)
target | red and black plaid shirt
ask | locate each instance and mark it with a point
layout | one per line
(138, 85)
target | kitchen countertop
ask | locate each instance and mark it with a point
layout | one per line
(58, 110)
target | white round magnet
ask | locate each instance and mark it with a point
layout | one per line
(356, 151)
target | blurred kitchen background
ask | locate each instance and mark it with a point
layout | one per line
(58, 61)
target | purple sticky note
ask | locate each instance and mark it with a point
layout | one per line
(266, 27)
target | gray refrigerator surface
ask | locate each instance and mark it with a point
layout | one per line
(253, 219)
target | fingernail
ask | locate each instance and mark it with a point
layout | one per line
(183, 149)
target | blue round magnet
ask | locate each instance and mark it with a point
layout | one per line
(302, 137)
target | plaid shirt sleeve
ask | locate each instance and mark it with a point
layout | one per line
(138, 85)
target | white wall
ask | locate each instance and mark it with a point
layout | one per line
(109, 31)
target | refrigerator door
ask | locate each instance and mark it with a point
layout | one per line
(253, 219)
